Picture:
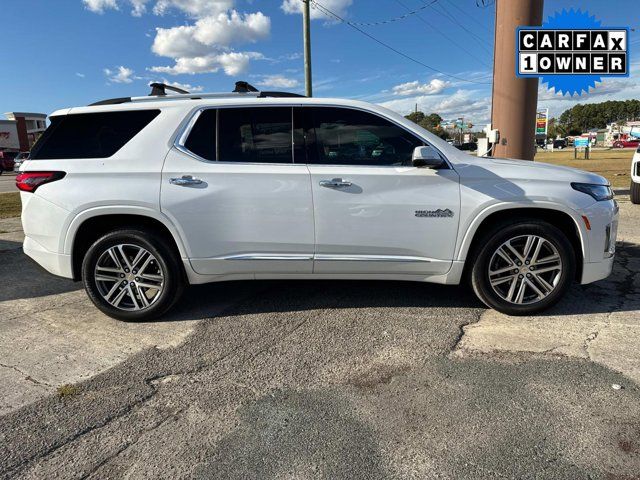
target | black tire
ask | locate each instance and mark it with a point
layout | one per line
(167, 259)
(635, 192)
(501, 234)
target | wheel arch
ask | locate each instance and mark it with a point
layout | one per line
(556, 216)
(90, 225)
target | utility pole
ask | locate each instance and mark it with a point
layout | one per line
(514, 100)
(306, 31)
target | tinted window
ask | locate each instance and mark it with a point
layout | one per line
(202, 139)
(91, 135)
(261, 135)
(352, 137)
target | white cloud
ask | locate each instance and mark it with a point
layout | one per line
(473, 105)
(205, 45)
(192, 8)
(81, 75)
(232, 63)
(99, 6)
(184, 86)
(339, 7)
(120, 75)
(219, 31)
(434, 87)
(178, 42)
(232, 28)
(278, 81)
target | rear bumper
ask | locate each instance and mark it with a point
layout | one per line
(56, 263)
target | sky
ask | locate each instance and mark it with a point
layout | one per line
(63, 53)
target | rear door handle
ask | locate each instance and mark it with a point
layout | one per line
(185, 180)
(335, 183)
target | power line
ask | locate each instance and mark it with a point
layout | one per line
(453, 4)
(337, 17)
(394, 19)
(461, 25)
(433, 27)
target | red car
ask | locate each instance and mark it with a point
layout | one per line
(6, 161)
(631, 143)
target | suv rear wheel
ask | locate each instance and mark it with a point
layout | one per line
(523, 268)
(132, 275)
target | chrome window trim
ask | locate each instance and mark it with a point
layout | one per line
(184, 132)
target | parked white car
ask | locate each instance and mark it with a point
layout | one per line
(139, 197)
(635, 177)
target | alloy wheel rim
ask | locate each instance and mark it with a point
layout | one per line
(129, 277)
(525, 269)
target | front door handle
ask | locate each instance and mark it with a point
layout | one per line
(335, 183)
(185, 180)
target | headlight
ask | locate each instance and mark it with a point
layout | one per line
(598, 192)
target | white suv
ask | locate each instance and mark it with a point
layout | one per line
(140, 196)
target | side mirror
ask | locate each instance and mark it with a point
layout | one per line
(426, 157)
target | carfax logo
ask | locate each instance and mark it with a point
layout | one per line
(571, 52)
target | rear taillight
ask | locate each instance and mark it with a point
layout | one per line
(29, 181)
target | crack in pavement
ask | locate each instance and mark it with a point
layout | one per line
(26, 376)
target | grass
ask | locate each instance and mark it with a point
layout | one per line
(67, 390)
(614, 165)
(10, 205)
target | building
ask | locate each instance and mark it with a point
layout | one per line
(21, 130)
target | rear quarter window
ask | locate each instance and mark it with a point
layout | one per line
(91, 135)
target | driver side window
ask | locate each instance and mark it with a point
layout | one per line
(351, 137)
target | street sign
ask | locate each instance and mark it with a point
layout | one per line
(581, 142)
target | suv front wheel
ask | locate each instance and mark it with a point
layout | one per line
(523, 268)
(132, 275)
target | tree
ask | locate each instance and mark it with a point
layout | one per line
(416, 117)
(429, 122)
(581, 118)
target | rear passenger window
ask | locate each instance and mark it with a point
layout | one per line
(91, 135)
(202, 138)
(255, 135)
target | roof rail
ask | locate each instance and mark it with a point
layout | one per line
(111, 101)
(159, 92)
(279, 95)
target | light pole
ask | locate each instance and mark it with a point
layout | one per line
(306, 31)
(515, 100)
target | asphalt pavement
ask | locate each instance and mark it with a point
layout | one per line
(8, 182)
(329, 380)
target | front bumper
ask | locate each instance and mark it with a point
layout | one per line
(592, 272)
(598, 264)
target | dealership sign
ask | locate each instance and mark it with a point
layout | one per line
(542, 118)
(571, 52)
